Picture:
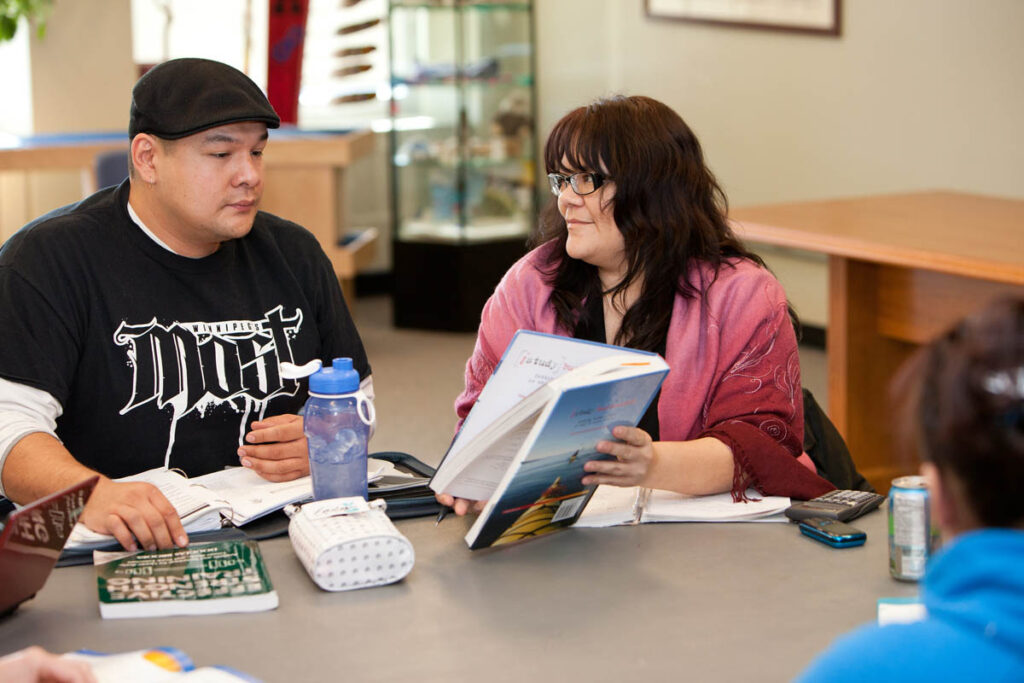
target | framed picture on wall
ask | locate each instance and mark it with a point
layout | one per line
(801, 16)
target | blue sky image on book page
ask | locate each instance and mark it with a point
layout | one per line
(567, 439)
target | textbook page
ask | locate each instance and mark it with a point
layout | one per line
(235, 493)
(478, 480)
(198, 511)
(609, 506)
(247, 496)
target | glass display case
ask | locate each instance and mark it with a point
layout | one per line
(462, 154)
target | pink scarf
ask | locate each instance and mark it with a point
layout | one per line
(735, 367)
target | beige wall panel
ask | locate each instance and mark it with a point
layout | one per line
(82, 70)
(14, 209)
(81, 75)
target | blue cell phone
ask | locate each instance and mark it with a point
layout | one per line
(832, 532)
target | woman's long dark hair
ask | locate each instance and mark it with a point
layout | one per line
(962, 400)
(667, 205)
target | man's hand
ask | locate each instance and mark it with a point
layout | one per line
(134, 511)
(276, 448)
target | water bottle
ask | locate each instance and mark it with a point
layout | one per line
(337, 424)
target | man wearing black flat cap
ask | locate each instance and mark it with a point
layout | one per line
(144, 326)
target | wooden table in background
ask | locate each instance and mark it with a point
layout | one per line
(902, 268)
(302, 173)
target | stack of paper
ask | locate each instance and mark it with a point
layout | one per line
(237, 494)
(614, 505)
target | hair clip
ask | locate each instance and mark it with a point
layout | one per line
(1007, 383)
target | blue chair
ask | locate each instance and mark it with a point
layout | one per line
(111, 167)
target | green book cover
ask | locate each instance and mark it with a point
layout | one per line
(204, 578)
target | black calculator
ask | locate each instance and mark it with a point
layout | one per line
(840, 505)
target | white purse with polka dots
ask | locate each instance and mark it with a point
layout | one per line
(347, 543)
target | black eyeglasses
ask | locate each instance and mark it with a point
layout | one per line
(582, 183)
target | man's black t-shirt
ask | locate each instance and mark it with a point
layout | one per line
(157, 358)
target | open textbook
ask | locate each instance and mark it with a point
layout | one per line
(236, 494)
(615, 505)
(535, 424)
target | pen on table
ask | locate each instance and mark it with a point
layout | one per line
(642, 496)
(442, 514)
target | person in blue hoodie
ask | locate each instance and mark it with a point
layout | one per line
(963, 400)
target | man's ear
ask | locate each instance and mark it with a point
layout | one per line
(948, 510)
(144, 150)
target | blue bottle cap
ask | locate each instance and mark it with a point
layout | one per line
(336, 379)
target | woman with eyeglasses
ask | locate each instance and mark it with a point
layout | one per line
(636, 251)
(961, 401)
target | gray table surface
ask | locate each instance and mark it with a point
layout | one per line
(657, 602)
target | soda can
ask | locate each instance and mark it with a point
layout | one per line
(911, 539)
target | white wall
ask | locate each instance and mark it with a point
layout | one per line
(914, 94)
(201, 28)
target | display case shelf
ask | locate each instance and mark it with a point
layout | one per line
(465, 81)
(464, 5)
(463, 178)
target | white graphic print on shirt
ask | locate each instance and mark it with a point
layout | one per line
(193, 366)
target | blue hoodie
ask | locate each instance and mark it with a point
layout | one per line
(974, 593)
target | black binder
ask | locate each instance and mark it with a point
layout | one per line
(412, 499)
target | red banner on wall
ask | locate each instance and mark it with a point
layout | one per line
(287, 33)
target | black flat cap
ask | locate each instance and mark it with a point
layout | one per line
(185, 96)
